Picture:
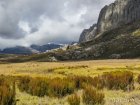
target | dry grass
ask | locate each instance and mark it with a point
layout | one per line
(62, 69)
(81, 68)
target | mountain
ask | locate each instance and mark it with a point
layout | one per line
(46, 47)
(116, 34)
(30, 50)
(88, 34)
(17, 50)
(115, 15)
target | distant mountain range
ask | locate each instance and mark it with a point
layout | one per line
(32, 49)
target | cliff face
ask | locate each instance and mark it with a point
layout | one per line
(88, 34)
(117, 14)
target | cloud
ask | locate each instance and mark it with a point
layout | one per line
(25, 22)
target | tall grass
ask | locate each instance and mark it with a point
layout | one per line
(43, 86)
(74, 99)
(119, 80)
(7, 91)
(138, 79)
(92, 97)
(60, 87)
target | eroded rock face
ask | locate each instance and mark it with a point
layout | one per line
(119, 13)
(88, 34)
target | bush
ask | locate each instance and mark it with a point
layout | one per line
(81, 80)
(43, 86)
(38, 87)
(119, 80)
(138, 79)
(74, 99)
(7, 91)
(23, 84)
(61, 87)
(33, 86)
(92, 97)
(98, 82)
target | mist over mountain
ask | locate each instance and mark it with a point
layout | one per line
(27, 22)
(32, 49)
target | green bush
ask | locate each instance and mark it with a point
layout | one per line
(92, 97)
(7, 91)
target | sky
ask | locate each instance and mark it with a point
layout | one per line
(26, 22)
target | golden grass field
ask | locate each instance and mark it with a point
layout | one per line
(81, 68)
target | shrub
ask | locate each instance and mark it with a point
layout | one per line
(61, 87)
(23, 84)
(38, 87)
(81, 80)
(74, 99)
(136, 33)
(119, 80)
(92, 97)
(7, 91)
(43, 86)
(98, 82)
(138, 79)
(33, 86)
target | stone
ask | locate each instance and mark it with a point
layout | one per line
(88, 34)
(117, 14)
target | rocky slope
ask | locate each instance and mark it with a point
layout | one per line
(46, 47)
(88, 34)
(115, 15)
(116, 35)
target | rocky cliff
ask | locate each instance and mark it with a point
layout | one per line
(115, 15)
(88, 34)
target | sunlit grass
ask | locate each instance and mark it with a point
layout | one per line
(66, 69)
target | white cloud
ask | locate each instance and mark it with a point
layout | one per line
(25, 22)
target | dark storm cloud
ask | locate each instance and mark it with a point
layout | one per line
(24, 22)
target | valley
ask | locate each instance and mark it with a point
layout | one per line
(85, 69)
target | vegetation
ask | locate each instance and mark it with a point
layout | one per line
(64, 82)
(119, 80)
(92, 97)
(42, 86)
(7, 91)
(138, 79)
(136, 33)
(74, 99)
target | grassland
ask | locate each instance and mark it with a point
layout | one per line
(79, 68)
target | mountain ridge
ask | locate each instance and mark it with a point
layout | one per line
(112, 16)
(31, 49)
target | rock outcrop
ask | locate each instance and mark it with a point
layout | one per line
(88, 34)
(117, 14)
